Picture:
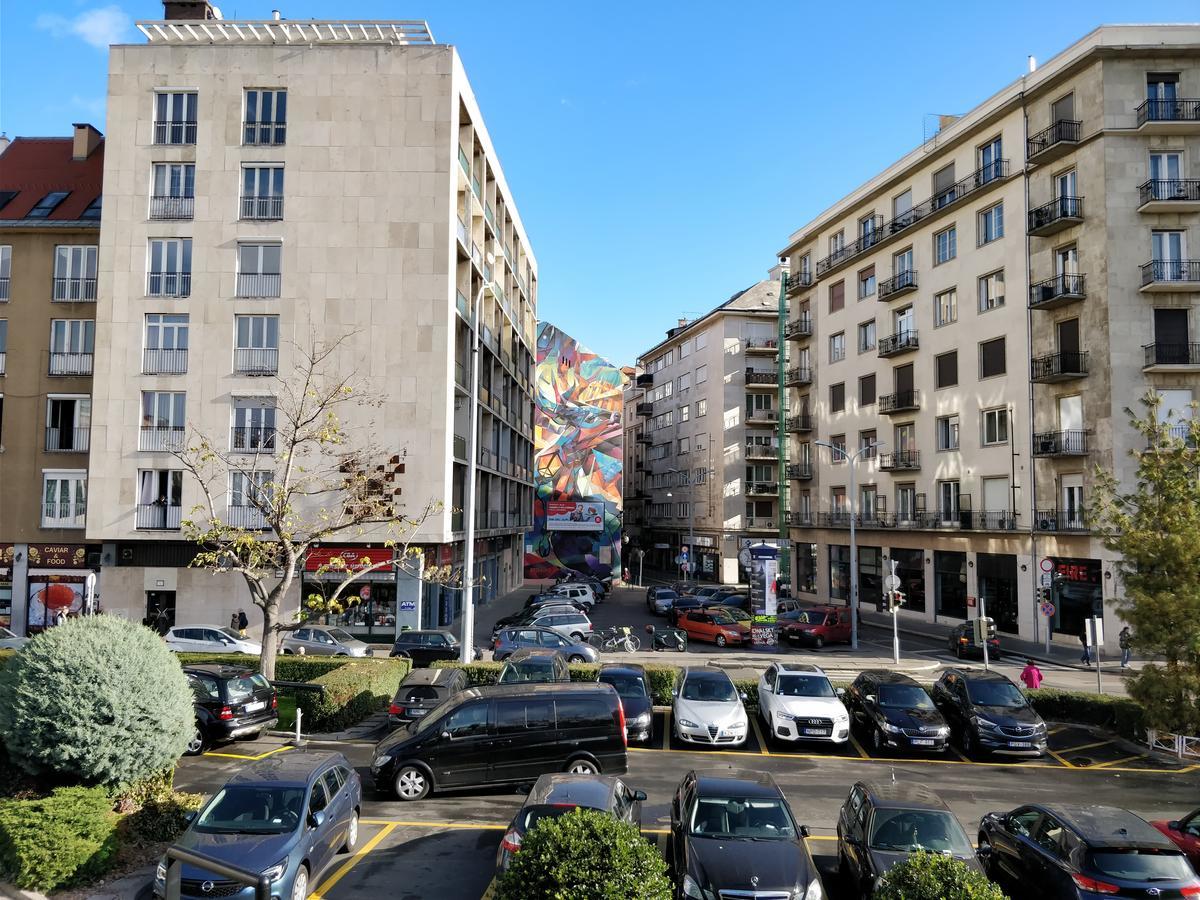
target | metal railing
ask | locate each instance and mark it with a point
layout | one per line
(1059, 365)
(762, 487)
(753, 377)
(800, 327)
(1168, 190)
(989, 520)
(259, 284)
(160, 361)
(162, 438)
(159, 516)
(64, 514)
(3, 290)
(900, 459)
(760, 523)
(262, 207)
(246, 517)
(256, 360)
(168, 284)
(800, 519)
(67, 440)
(899, 283)
(799, 471)
(1060, 443)
(1060, 287)
(798, 280)
(74, 290)
(798, 375)
(1171, 354)
(171, 207)
(799, 422)
(1062, 130)
(71, 363)
(1166, 270)
(264, 134)
(1059, 520)
(756, 448)
(901, 400)
(252, 439)
(1180, 110)
(761, 415)
(1058, 210)
(762, 345)
(898, 343)
(175, 132)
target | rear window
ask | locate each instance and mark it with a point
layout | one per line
(538, 670)
(241, 688)
(531, 815)
(1142, 865)
(420, 692)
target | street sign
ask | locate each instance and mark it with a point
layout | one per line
(1047, 610)
(1095, 631)
(1046, 565)
(683, 554)
(1047, 579)
(891, 583)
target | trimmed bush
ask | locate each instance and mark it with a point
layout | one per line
(352, 692)
(67, 838)
(661, 678)
(585, 855)
(159, 820)
(287, 668)
(1120, 715)
(97, 699)
(931, 876)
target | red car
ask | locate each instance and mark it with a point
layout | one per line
(1185, 833)
(715, 626)
(819, 626)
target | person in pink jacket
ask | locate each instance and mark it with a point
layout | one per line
(1031, 675)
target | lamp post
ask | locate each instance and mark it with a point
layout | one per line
(852, 461)
(467, 652)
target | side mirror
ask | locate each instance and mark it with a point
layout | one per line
(841, 692)
(804, 831)
(640, 796)
(445, 735)
(1173, 826)
(227, 641)
(984, 852)
(869, 698)
(742, 696)
(316, 819)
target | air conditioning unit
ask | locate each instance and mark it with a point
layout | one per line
(1047, 525)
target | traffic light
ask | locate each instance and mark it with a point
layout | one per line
(1043, 595)
(985, 628)
(895, 599)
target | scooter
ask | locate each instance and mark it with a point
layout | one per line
(667, 638)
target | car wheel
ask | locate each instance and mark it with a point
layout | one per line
(582, 767)
(288, 652)
(196, 744)
(576, 658)
(577, 637)
(818, 642)
(983, 852)
(877, 740)
(721, 640)
(412, 783)
(351, 835)
(300, 885)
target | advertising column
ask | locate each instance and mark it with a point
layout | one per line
(764, 604)
(57, 583)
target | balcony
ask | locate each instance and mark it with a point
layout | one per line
(3, 361)
(797, 376)
(1059, 367)
(1055, 216)
(1171, 357)
(168, 207)
(4, 290)
(1053, 142)
(645, 440)
(1178, 116)
(1171, 275)
(258, 284)
(262, 208)
(798, 329)
(74, 290)
(67, 440)
(70, 363)
(902, 342)
(761, 523)
(799, 423)
(900, 461)
(901, 401)
(761, 346)
(464, 240)
(169, 284)
(645, 409)
(800, 519)
(761, 417)
(256, 360)
(1060, 443)
(463, 161)
(1169, 196)
(836, 519)
(901, 283)
(799, 471)
(988, 520)
(799, 281)
(248, 517)
(64, 514)
(159, 361)
(162, 438)
(1060, 520)
(1057, 291)
(159, 516)
(756, 450)
(868, 238)
(761, 380)
(181, 131)
(646, 379)
(762, 488)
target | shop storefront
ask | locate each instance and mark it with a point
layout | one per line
(950, 584)
(369, 603)
(839, 572)
(806, 568)
(998, 589)
(6, 584)
(56, 585)
(910, 569)
(870, 576)
(1077, 593)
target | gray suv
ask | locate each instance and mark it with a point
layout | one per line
(509, 640)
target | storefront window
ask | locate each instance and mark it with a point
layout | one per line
(839, 572)
(870, 576)
(998, 589)
(950, 584)
(910, 568)
(1077, 593)
(372, 617)
(53, 599)
(806, 568)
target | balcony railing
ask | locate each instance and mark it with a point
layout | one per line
(1056, 291)
(259, 284)
(755, 449)
(1060, 213)
(1171, 354)
(901, 460)
(1059, 366)
(162, 438)
(159, 516)
(798, 375)
(170, 207)
(898, 343)
(645, 409)
(252, 439)
(1060, 520)
(168, 284)
(262, 208)
(264, 134)
(900, 283)
(799, 422)
(64, 514)
(989, 520)
(762, 488)
(768, 378)
(800, 519)
(256, 360)
(798, 328)
(1175, 190)
(1060, 443)
(1165, 271)
(70, 363)
(800, 471)
(67, 440)
(900, 401)
(761, 345)
(1180, 110)
(867, 239)
(4, 290)
(760, 523)
(1064, 131)
(250, 517)
(180, 132)
(761, 415)
(159, 361)
(74, 290)
(463, 160)
(646, 379)
(799, 280)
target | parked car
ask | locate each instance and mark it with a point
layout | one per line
(9, 641)
(682, 605)
(630, 683)
(422, 690)
(737, 599)
(797, 703)
(734, 835)
(961, 641)
(708, 709)
(534, 664)
(1185, 833)
(988, 713)
(556, 795)
(704, 591)
(550, 598)
(509, 640)
(231, 702)
(286, 816)
(734, 612)
(882, 823)
(575, 593)
(663, 601)
(424, 647)
(321, 641)
(527, 615)
(1082, 852)
(817, 626)
(713, 626)
(896, 713)
(577, 727)
(652, 594)
(209, 639)
(573, 625)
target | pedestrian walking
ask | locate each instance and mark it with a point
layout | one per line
(233, 621)
(1086, 656)
(1124, 639)
(242, 622)
(1031, 675)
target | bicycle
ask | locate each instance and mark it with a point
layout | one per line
(619, 638)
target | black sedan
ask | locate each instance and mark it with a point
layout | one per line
(631, 684)
(896, 713)
(231, 702)
(734, 834)
(423, 647)
(989, 714)
(962, 643)
(423, 690)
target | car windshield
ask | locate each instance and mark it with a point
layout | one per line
(630, 686)
(1142, 865)
(531, 815)
(250, 809)
(995, 693)
(342, 637)
(904, 696)
(738, 615)
(720, 618)
(908, 830)
(242, 688)
(710, 690)
(761, 818)
(805, 686)
(515, 673)
(230, 633)
(665, 595)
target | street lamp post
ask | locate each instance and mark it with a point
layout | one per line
(852, 461)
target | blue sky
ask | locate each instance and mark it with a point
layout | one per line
(659, 152)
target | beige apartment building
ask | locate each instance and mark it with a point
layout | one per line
(987, 309)
(272, 182)
(704, 438)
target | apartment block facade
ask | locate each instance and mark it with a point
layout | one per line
(976, 321)
(275, 183)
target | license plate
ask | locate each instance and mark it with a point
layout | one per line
(256, 706)
(1020, 744)
(922, 742)
(819, 732)
(417, 712)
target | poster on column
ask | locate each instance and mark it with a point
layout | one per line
(53, 597)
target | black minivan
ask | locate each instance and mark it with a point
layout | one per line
(505, 734)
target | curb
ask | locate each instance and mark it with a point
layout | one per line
(9, 892)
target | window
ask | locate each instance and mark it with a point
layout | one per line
(866, 283)
(995, 426)
(836, 243)
(172, 191)
(5, 271)
(701, 373)
(991, 224)
(247, 488)
(701, 408)
(902, 205)
(948, 501)
(75, 273)
(684, 349)
(947, 432)
(256, 345)
(68, 420)
(837, 397)
(839, 447)
(945, 308)
(668, 389)
(175, 117)
(866, 390)
(253, 424)
(866, 336)
(266, 117)
(866, 443)
(837, 346)
(991, 358)
(93, 209)
(991, 291)
(685, 445)
(685, 412)
(47, 205)
(906, 502)
(946, 369)
(945, 245)
(991, 161)
(702, 340)
(837, 296)
(72, 345)
(64, 499)
(3, 343)
(943, 184)
(258, 270)
(262, 192)
(166, 344)
(169, 272)
(902, 262)
(163, 420)
(685, 382)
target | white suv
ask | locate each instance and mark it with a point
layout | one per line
(573, 625)
(797, 703)
(578, 593)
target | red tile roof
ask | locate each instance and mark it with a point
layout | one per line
(34, 167)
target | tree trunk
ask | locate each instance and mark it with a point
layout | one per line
(270, 640)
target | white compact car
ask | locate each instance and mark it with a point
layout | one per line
(708, 709)
(209, 639)
(577, 593)
(9, 641)
(797, 703)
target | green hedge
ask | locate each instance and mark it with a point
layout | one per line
(287, 668)
(353, 691)
(1120, 715)
(69, 837)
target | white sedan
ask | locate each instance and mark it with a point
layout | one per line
(708, 709)
(209, 639)
(797, 703)
(9, 641)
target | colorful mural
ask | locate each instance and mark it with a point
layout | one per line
(577, 458)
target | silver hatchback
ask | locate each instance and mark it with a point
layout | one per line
(509, 640)
(312, 640)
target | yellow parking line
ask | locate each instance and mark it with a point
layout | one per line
(762, 743)
(858, 747)
(1117, 762)
(1091, 746)
(351, 863)
(1056, 729)
(1065, 762)
(244, 756)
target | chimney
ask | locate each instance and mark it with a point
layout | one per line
(683, 323)
(276, 15)
(86, 140)
(189, 10)
(4, 142)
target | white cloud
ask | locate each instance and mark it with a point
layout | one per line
(99, 27)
